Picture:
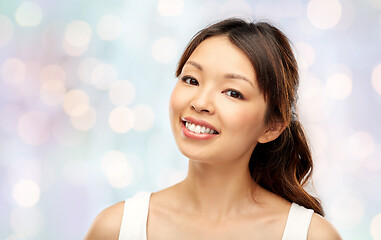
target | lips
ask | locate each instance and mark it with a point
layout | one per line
(198, 126)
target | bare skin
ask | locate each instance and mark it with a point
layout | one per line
(171, 216)
(210, 217)
(212, 205)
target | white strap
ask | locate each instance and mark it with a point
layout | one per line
(134, 221)
(298, 223)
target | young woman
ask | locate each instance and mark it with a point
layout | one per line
(233, 115)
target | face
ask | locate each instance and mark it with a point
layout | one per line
(217, 111)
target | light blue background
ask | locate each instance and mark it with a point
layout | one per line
(73, 187)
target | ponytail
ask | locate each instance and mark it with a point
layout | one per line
(284, 166)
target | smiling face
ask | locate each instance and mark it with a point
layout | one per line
(217, 111)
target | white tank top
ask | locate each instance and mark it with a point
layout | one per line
(135, 213)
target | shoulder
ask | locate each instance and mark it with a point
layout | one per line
(320, 228)
(107, 224)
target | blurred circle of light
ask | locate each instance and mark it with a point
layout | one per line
(376, 78)
(121, 119)
(26, 192)
(305, 54)
(122, 93)
(109, 27)
(26, 222)
(79, 110)
(28, 14)
(13, 71)
(6, 30)
(144, 117)
(84, 121)
(78, 34)
(324, 14)
(346, 211)
(86, 68)
(73, 50)
(339, 86)
(77, 37)
(360, 144)
(118, 172)
(375, 227)
(34, 127)
(64, 133)
(103, 76)
(52, 92)
(164, 50)
(73, 100)
(170, 7)
(53, 72)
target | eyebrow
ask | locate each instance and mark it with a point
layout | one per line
(228, 75)
(195, 65)
(238, 76)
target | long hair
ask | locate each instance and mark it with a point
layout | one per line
(284, 165)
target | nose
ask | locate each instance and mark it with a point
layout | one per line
(203, 102)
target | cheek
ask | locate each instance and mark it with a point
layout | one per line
(244, 120)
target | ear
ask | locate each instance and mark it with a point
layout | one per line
(272, 132)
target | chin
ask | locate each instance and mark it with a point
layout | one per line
(203, 155)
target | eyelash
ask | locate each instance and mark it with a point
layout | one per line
(188, 79)
(240, 96)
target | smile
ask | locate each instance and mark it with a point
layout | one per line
(198, 126)
(199, 129)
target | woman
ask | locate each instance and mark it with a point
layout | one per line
(233, 115)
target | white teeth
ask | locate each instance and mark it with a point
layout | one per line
(199, 129)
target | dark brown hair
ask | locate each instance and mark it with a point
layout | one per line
(284, 165)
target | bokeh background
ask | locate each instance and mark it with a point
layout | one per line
(84, 90)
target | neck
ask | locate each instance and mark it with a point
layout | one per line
(218, 191)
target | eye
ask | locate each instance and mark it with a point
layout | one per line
(234, 94)
(190, 80)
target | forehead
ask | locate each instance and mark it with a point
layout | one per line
(218, 54)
